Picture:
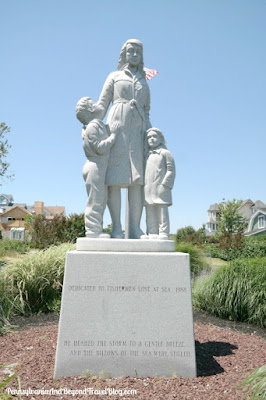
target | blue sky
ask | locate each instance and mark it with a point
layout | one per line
(209, 98)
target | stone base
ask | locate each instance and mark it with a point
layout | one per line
(134, 245)
(126, 314)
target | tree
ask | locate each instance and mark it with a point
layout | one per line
(4, 147)
(60, 229)
(230, 220)
(189, 234)
(231, 227)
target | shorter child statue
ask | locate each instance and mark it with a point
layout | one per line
(97, 141)
(159, 180)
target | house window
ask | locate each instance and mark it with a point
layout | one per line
(261, 222)
(17, 234)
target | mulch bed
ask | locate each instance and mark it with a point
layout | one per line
(224, 356)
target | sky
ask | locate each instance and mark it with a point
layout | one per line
(209, 97)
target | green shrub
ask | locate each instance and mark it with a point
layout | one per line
(33, 283)
(5, 382)
(255, 384)
(13, 246)
(197, 262)
(253, 246)
(60, 229)
(236, 291)
(189, 235)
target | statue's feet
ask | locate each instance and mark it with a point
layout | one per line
(100, 235)
(104, 235)
(117, 234)
(162, 236)
(153, 236)
(144, 237)
(135, 233)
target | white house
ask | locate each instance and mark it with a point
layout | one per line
(254, 214)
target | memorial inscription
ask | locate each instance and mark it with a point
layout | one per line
(140, 348)
(134, 313)
(124, 289)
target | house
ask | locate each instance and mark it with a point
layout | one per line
(254, 214)
(12, 216)
(213, 216)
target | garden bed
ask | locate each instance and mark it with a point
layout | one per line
(224, 355)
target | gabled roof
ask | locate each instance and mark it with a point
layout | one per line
(214, 207)
(248, 201)
(7, 196)
(259, 204)
(13, 207)
(55, 210)
(253, 217)
(256, 232)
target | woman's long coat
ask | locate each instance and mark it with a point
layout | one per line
(126, 162)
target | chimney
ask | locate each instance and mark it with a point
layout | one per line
(38, 207)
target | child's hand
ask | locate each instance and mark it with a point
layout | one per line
(115, 128)
(133, 103)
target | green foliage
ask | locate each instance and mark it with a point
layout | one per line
(108, 229)
(189, 234)
(60, 229)
(9, 247)
(197, 262)
(75, 227)
(4, 147)
(236, 291)
(252, 246)
(33, 283)
(231, 226)
(255, 384)
(230, 220)
(4, 395)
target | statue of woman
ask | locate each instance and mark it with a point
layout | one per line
(129, 94)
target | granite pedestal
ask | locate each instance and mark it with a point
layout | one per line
(126, 313)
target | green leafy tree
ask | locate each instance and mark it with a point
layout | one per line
(190, 235)
(108, 229)
(4, 148)
(75, 227)
(230, 220)
(60, 229)
(231, 227)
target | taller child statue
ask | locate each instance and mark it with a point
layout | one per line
(129, 94)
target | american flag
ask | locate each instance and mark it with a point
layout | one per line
(150, 73)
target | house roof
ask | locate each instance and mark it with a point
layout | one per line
(13, 207)
(255, 232)
(55, 210)
(8, 196)
(259, 204)
(214, 207)
(248, 201)
(252, 219)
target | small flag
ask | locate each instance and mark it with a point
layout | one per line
(150, 73)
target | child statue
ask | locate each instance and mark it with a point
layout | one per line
(159, 180)
(97, 141)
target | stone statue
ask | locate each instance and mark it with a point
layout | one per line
(97, 141)
(159, 180)
(129, 94)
